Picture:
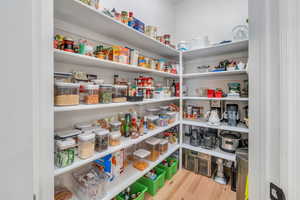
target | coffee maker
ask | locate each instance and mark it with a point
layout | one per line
(231, 115)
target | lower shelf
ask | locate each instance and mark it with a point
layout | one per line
(216, 152)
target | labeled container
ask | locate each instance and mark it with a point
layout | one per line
(91, 95)
(152, 121)
(154, 185)
(135, 188)
(139, 157)
(171, 117)
(86, 145)
(64, 152)
(102, 140)
(152, 145)
(66, 94)
(115, 138)
(119, 93)
(163, 146)
(170, 167)
(105, 92)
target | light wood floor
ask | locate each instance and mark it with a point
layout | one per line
(186, 185)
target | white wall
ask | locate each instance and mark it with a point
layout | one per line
(215, 18)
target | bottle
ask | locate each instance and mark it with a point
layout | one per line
(173, 89)
(127, 125)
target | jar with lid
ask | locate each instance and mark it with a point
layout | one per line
(163, 146)
(152, 145)
(139, 161)
(152, 122)
(115, 126)
(105, 93)
(64, 152)
(153, 111)
(171, 117)
(66, 94)
(115, 138)
(86, 145)
(91, 95)
(102, 139)
(119, 93)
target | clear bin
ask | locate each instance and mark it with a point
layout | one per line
(163, 121)
(115, 138)
(152, 122)
(91, 95)
(152, 145)
(102, 139)
(66, 94)
(86, 145)
(115, 126)
(105, 92)
(171, 117)
(139, 157)
(119, 93)
(163, 146)
(64, 152)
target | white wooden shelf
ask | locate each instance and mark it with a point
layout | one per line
(131, 175)
(223, 126)
(221, 99)
(216, 152)
(110, 105)
(76, 12)
(220, 49)
(125, 142)
(78, 59)
(214, 74)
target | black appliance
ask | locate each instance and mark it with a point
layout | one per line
(195, 137)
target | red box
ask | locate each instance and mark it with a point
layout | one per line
(210, 93)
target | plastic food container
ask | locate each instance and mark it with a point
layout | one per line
(65, 152)
(153, 111)
(139, 159)
(105, 91)
(62, 135)
(66, 94)
(152, 145)
(86, 145)
(91, 95)
(163, 121)
(152, 121)
(102, 139)
(115, 138)
(119, 93)
(163, 146)
(171, 117)
(115, 126)
(83, 126)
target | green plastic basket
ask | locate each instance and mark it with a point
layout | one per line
(170, 171)
(135, 188)
(154, 185)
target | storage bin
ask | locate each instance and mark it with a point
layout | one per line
(134, 189)
(154, 185)
(152, 145)
(170, 169)
(163, 120)
(102, 139)
(119, 93)
(105, 92)
(139, 157)
(86, 145)
(66, 94)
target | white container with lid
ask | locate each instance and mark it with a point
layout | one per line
(141, 153)
(138, 157)
(64, 152)
(152, 145)
(67, 133)
(83, 125)
(86, 145)
(115, 138)
(102, 139)
(163, 146)
(65, 144)
(172, 117)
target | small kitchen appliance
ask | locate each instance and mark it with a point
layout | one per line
(231, 115)
(229, 141)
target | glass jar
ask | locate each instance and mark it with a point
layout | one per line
(163, 146)
(105, 93)
(102, 139)
(86, 145)
(152, 121)
(115, 126)
(115, 138)
(64, 152)
(119, 93)
(171, 117)
(66, 94)
(91, 95)
(139, 159)
(152, 145)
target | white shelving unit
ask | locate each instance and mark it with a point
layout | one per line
(214, 74)
(221, 99)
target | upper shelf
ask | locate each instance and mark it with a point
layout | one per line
(214, 74)
(76, 12)
(216, 50)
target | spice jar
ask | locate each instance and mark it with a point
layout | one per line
(86, 145)
(102, 139)
(139, 159)
(152, 145)
(163, 146)
(105, 93)
(171, 117)
(91, 94)
(115, 138)
(152, 121)
(119, 93)
(66, 94)
(64, 152)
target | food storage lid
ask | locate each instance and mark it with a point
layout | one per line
(152, 109)
(152, 117)
(101, 132)
(106, 85)
(98, 81)
(115, 135)
(92, 87)
(120, 86)
(141, 153)
(83, 125)
(86, 136)
(164, 107)
(115, 123)
(67, 85)
(163, 141)
(62, 144)
(67, 133)
(153, 141)
(172, 114)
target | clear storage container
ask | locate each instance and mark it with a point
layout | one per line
(119, 93)
(86, 145)
(163, 121)
(115, 138)
(152, 122)
(105, 91)
(66, 94)
(91, 95)
(163, 146)
(152, 145)
(153, 111)
(171, 117)
(115, 126)
(83, 126)
(139, 157)
(64, 152)
(64, 134)
(102, 139)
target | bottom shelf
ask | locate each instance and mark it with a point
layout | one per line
(216, 152)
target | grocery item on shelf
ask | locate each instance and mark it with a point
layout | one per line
(163, 120)
(64, 152)
(86, 145)
(171, 117)
(91, 94)
(139, 159)
(163, 146)
(151, 31)
(117, 161)
(193, 112)
(234, 89)
(152, 145)
(119, 93)
(105, 93)
(152, 121)
(62, 193)
(66, 94)
(102, 140)
(115, 126)
(115, 138)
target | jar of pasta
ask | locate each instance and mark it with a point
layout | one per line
(86, 145)
(105, 93)
(91, 95)
(66, 94)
